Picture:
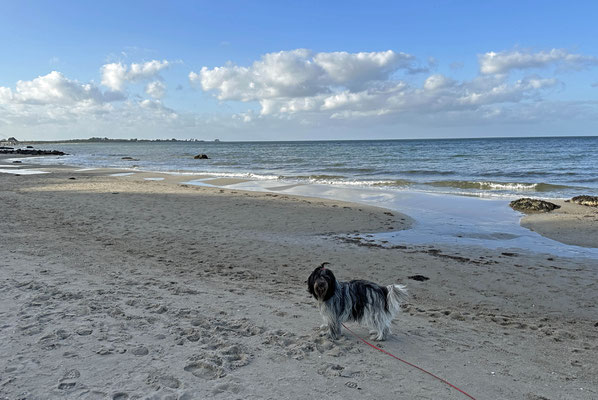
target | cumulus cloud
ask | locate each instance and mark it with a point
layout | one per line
(54, 99)
(300, 88)
(300, 73)
(155, 89)
(116, 75)
(505, 61)
(359, 68)
(55, 88)
(359, 85)
(437, 81)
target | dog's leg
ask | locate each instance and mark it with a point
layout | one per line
(334, 329)
(332, 323)
(383, 334)
(325, 324)
(381, 325)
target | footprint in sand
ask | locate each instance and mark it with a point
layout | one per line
(205, 370)
(66, 385)
(71, 374)
(158, 381)
(69, 380)
(212, 364)
(227, 388)
(140, 351)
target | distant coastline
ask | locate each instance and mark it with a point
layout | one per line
(108, 140)
(195, 140)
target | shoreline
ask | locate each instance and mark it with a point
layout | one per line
(572, 225)
(178, 158)
(119, 287)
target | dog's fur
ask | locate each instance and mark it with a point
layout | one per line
(362, 301)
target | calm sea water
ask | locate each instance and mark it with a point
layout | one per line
(555, 167)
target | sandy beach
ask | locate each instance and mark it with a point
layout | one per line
(119, 287)
(571, 224)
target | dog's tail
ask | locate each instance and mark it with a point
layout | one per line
(397, 294)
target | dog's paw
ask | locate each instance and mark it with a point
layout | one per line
(325, 333)
(379, 337)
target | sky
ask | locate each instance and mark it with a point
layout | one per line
(297, 70)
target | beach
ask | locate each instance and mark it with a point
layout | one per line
(134, 287)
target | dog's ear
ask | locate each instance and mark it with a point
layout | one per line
(324, 264)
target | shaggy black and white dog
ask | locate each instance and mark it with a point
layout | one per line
(362, 301)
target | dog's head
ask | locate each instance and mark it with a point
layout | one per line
(321, 283)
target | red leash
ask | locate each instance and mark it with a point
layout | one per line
(408, 363)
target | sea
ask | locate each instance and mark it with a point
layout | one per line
(456, 190)
(548, 167)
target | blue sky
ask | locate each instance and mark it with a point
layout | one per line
(297, 70)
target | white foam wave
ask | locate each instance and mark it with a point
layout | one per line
(508, 186)
(22, 171)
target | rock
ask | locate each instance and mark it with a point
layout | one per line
(32, 152)
(591, 201)
(129, 158)
(201, 157)
(419, 278)
(532, 205)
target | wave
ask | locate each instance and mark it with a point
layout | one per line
(523, 174)
(393, 183)
(504, 186)
(346, 181)
(314, 177)
(352, 169)
(427, 172)
(588, 180)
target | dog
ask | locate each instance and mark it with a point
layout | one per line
(365, 302)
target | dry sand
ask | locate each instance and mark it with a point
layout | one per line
(123, 288)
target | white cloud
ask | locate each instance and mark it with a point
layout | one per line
(55, 100)
(116, 75)
(155, 89)
(358, 68)
(505, 61)
(359, 85)
(300, 73)
(146, 70)
(299, 91)
(5, 95)
(437, 81)
(502, 92)
(55, 88)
